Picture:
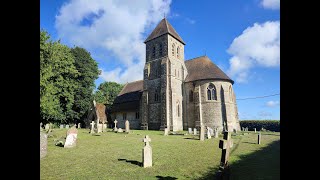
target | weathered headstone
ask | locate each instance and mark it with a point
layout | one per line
(190, 130)
(99, 128)
(47, 127)
(216, 133)
(194, 131)
(67, 126)
(202, 133)
(255, 130)
(166, 131)
(147, 153)
(115, 125)
(61, 126)
(127, 124)
(120, 130)
(208, 133)
(92, 127)
(71, 140)
(242, 128)
(259, 138)
(43, 144)
(79, 125)
(225, 144)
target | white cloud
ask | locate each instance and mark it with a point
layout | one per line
(115, 26)
(271, 4)
(190, 21)
(258, 45)
(264, 114)
(272, 103)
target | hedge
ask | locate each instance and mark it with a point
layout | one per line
(270, 125)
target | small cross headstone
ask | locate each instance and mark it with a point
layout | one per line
(259, 138)
(71, 140)
(115, 125)
(147, 153)
(225, 145)
(194, 131)
(190, 130)
(61, 126)
(166, 131)
(202, 133)
(43, 144)
(67, 126)
(79, 125)
(255, 130)
(127, 124)
(47, 127)
(92, 127)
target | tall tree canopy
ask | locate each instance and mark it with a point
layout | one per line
(107, 92)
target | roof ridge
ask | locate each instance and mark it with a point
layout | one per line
(197, 57)
(134, 81)
(122, 89)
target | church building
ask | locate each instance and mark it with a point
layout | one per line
(176, 93)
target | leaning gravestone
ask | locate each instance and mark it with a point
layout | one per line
(43, 144)
(166, 131)
(127, 124)
(225, 144)
(147, 153)
(190, 130)
(71, 140)
(194, 131)
(61, 126)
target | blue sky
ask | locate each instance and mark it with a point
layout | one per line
(242, 37)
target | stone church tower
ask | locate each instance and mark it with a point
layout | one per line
(164, 73)
(176, 93)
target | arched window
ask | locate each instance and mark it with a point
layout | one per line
(190, 96)
(154, 52)
(178, 109)
(156, 96)
(211, 92)
(173, 47)
(178, 51)
(160, 49)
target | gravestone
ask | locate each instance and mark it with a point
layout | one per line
(43, 144)
(92, 127)
(147, 153)
(259, 138)
(255, 130)
(242, 128)
(67, 126)
(216, 133)
(194, 131)
(166, 131)
(79, 125)
(208, 133)
(61, 126)
(115, 125)
(47, 127)
(127, 124)
(225, 144)
(190, 130)
(71, 140)
(99, 128)
(120, 130)
(202, 133)
(210, 130)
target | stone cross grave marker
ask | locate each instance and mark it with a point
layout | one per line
(208, 133)
(71, 140)
(194, 131)
(61, 126)
(115, 125)
(43, 144)
(166, 131)
(127, 124)
(147, 153)
(259, 138)
(225, 144)
(190, 130)
(202, 133)
(92, 127)
(79, 125)
(67, 126)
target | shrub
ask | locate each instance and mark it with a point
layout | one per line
(270, 125)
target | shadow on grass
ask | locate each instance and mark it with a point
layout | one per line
(131, 161)
(262, 164)
(166, 178)
(249, 142)
(191, 138)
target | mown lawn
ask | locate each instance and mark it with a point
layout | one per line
(112, 155)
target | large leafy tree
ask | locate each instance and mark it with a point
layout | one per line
(107, 92)
(57, 80)
(89, 72)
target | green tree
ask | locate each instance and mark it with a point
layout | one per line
(57, 80)
(89, 72)
(107, 92)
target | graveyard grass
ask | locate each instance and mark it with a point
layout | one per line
(110, 155)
